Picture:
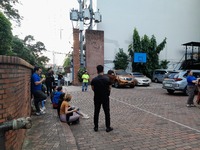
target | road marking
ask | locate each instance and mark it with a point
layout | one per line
(156, 115)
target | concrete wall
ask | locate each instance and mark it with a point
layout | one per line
(177, 20)
(15, 96)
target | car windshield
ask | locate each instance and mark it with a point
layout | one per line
(138, 74)
(121, 72)
(171, 75)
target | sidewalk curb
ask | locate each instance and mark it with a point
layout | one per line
(67, 138)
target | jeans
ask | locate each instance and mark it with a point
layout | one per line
(38, 97)
(84, 86)
(191, 94)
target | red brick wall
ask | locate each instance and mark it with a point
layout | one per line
(94, 51)
(15, 96)
(76, 56)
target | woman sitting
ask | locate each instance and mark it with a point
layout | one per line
(70, 114)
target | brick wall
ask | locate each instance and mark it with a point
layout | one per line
(76, 56)
(94, 51)
(15, 96)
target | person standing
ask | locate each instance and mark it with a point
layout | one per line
(198, 95)
(85, 78)
(191, 86)
(60, 77)
(101, 86)
(49, 81)
(38, 94)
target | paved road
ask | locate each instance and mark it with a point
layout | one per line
(143, 118)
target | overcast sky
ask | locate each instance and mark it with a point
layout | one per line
(49, 22)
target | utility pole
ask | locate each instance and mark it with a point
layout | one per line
(82, 64)
(82, 15)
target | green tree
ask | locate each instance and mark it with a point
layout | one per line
(121, 60)
(164, 63)
(7, 6)
(80, 73)
(5, 35)
(32, 53)
(149, 46)
(36, 49)
(67, 61)
(20, 50)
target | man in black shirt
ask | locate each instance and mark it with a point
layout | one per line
(49, 81)
(101, 86)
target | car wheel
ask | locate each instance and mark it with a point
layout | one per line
(132, 86)
(116, 84)
(170, 91)
(156, 80)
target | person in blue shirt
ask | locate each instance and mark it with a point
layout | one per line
(38, 94)
(191, 86)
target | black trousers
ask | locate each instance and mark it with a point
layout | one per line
(38, 97)
(106, 107)
(49, 87)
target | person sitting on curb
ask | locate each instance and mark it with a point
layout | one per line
(56, 97)
(59, 103)
(70, 114)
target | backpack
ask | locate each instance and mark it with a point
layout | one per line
(56, 98)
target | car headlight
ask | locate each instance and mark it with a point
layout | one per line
(122, 78)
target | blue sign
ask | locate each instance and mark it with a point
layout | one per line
(140, 57)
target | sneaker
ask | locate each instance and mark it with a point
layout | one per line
(43, 108)
(192, 105)
(109, 129)
(37, 113)
(188, 105)
(85, 117)
(42, 112)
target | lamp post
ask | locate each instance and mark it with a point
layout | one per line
(82, 15)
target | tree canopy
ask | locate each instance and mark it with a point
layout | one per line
(5, 35)
(121, 60)
(7, 6)
(30, 51)
(151, 48)
(27, 49)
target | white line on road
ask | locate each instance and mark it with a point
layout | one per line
(157, 115)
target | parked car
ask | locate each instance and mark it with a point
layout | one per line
(160, 74)
(55, 80)
(178, 82)
(123, 79)
(141, 78)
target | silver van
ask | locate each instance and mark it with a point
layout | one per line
(160, 74)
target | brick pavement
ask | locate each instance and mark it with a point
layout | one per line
(48, 133)
(143, 118)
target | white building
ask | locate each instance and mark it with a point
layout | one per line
(177, 20)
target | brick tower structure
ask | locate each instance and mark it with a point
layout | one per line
(94, 44)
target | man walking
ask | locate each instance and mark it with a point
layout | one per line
(101, 86)
(37, 89)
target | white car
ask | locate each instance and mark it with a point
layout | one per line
(141, 79)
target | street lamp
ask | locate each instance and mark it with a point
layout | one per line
(82, 15)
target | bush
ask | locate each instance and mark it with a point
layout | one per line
(80, 73)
